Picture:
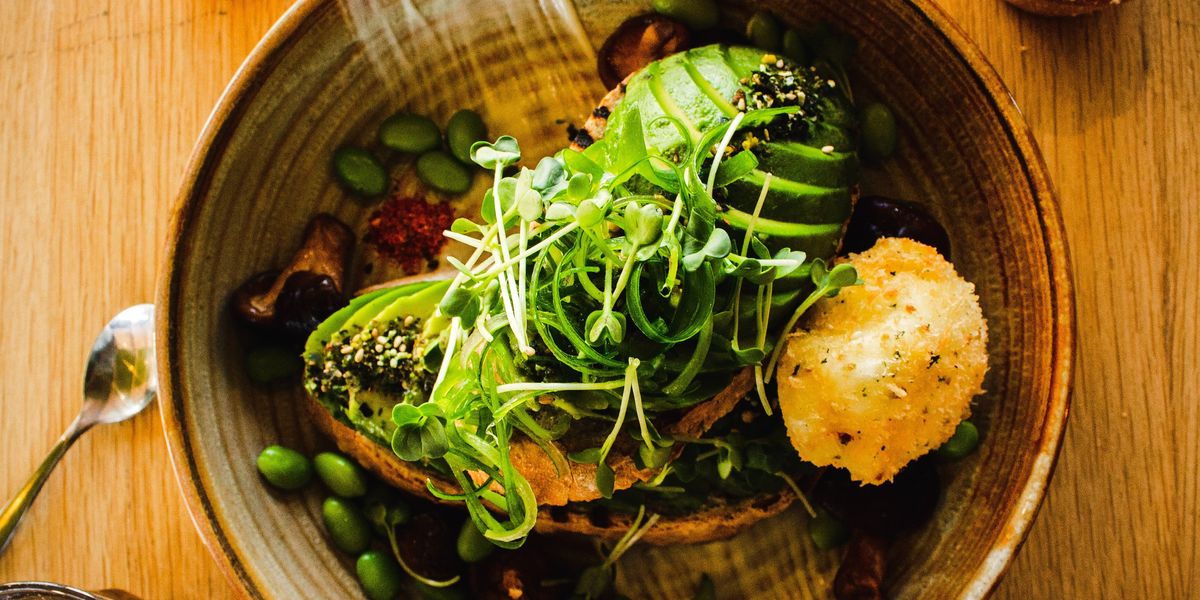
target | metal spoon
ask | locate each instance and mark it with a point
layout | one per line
(120, 381)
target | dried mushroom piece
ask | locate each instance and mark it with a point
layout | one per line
(308, 289)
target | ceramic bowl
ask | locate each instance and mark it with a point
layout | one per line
(261, 170)
(1062, 8)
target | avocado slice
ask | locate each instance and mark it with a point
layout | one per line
(790, 200)
(808, 164)
(815, 240)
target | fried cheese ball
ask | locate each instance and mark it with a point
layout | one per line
(883, 372)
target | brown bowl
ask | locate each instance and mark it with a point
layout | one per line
(1062, 8)
(260, 170)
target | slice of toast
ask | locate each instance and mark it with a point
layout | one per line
(719, 518)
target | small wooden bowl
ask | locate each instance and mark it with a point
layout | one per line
(261, 170)
(1062, 8)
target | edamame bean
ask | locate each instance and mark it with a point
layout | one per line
(879, 137)
(964, 441)
(454, 592)
(340, 474)
(284, 468)
(464, 128)
(379, 575)
(409, 133)
(347, 528)
(443, 173)
(360, 172)
(764, 31)
(827, 43)
(794, 48)
(697, 14)
(472, 546)
(827, 532)
(271, 363)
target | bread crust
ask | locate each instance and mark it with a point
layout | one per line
(715, 521)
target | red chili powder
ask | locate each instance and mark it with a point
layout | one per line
(408, 230)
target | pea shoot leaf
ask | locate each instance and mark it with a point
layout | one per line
(796, 258)
(831, 281)
(501, 153)
(460, 302)
(464, 226)
(605, 324)
(529, 201)
(655, 457)
(420, 432)
(559, 211)
(643, 224)
(591, 212)
(735, 167)
(587, 456)
(605, 479)
(579, 187)
(508, 197)
(716, 247)
(549, 177)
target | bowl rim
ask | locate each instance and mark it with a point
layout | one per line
(248, 79)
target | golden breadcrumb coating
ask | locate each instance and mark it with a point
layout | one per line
(883, 372)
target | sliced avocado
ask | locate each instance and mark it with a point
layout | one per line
(815, 240)
(371, 414)
(316, 340)
(802, 162)
(821, 134)
(419, 304)
(360, 311)
(790, 200)
(693, 89)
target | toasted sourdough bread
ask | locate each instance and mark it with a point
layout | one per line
(718, 519)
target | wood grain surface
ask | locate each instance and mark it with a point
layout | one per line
(103, 100)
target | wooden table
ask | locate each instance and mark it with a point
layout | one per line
(102, 102)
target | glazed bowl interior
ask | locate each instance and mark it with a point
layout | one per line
(262, 170)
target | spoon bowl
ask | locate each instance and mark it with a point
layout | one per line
(119, 382)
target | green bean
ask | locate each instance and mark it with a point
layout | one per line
(379, 575)
(879, 137)
(696, 14)
(360, 172)
(472, 546)
(409, 133)
(443, 173)
(964, 441)
(284, 468)
(347, 528)
(764, 31)
(463, 129)
(340, 474)
(794, 47)
(827, 532)
(270, 363)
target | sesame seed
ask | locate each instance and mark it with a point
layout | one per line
(827, 149)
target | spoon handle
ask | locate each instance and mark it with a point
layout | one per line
(12, 513)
